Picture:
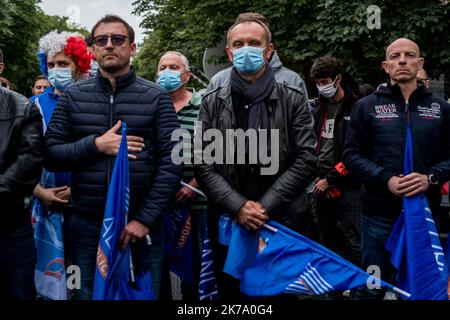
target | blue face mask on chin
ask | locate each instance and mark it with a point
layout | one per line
(248, 59)
(60, 78)
(170, 79)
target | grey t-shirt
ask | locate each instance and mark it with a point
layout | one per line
(326, 154)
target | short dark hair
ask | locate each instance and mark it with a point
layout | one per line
(1, 56)
(111, 18)
(40, 77)
(326, 67)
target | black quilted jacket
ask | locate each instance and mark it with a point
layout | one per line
(87, 110)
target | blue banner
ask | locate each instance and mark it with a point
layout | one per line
(178, 244)
(50, 273)
(113, 273)
(276, 260)
(415, 246)
(208, 285)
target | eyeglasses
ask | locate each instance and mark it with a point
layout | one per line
(4, 85)
(116, 39)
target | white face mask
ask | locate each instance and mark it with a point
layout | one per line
(328, 90)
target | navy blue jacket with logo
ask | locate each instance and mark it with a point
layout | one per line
(375, 144)
(90, 108)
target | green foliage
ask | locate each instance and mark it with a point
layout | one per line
(303, 30)
(22, 23)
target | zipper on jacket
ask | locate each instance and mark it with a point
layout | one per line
(109, 163)
(319, 138)
(408, 120)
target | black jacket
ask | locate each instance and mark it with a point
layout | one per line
(21, 157)
(87, 110)
(338, 176)
(375, 144)
(284, 198)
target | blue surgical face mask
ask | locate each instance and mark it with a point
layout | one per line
(60, 78)
(94, 68)
(248, 59)
(170, 79)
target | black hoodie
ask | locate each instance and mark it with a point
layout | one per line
(375, 144)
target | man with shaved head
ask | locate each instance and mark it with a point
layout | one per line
(374, 151)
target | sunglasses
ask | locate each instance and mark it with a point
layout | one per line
(4, 85)
(116, 39)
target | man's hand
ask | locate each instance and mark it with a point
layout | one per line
(413, 184)
(64, 194)
(50, 197)
(394, 185)
(252, 215)
(321, 186)
(109, 143)
(133, 231)
(184, 194)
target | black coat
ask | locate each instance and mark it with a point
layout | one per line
(285, 193)
(335, 177)
(21, 157)
(87, 110)
(375, 144)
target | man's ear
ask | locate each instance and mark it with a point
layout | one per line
(133, 49)
(2, 67)
(421, 62)
(269, 51)
(384, 65)
(188, 76)
(229, 54)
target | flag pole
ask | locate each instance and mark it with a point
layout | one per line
(184, 184)
(403, 293)
(269, 227)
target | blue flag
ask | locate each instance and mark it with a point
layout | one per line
(50, 273)
(178, 244)
(276, 260)
(114, 273)
(207, 286)
(415, 246)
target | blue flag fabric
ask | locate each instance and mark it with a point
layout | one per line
(178, 244)
(277, 260)
(208, 285)
(415, 247)
(113, 270)
(50, 274)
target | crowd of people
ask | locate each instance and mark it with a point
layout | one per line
(339, 157)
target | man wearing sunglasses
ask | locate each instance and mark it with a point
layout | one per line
(84, 137)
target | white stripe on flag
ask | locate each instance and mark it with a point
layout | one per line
(329, 286)
(317, 281)
(310, 282)
(429, 220)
